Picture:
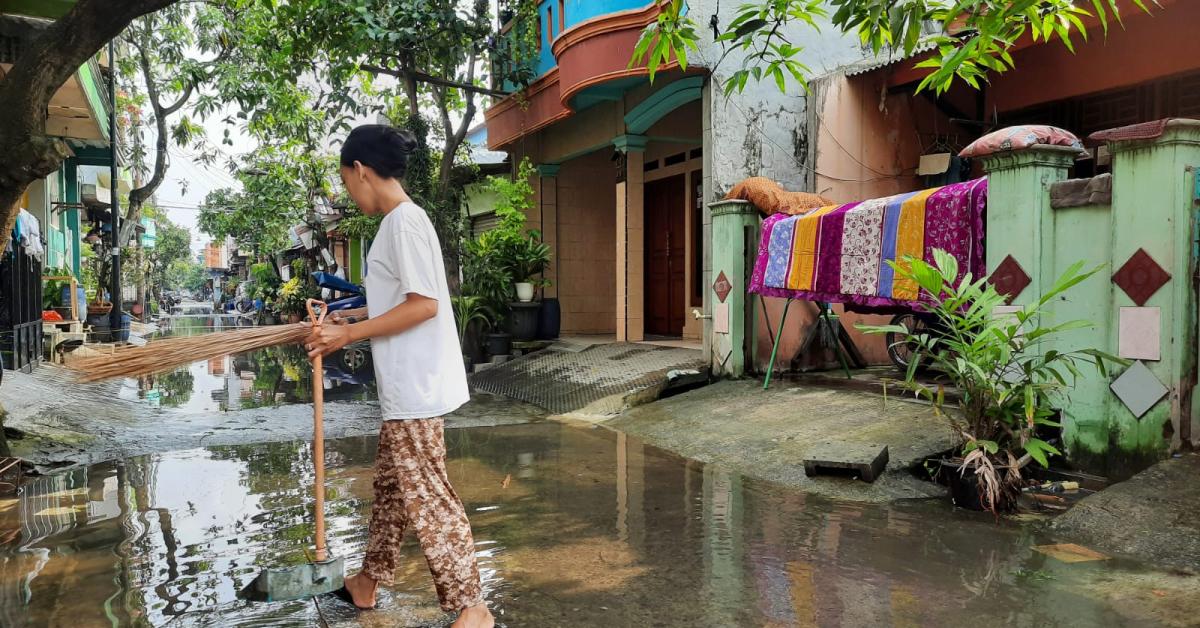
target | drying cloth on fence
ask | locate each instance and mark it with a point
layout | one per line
(28, 232)
(770, 198)
(840, 253)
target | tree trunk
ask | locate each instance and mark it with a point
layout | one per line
(25, 92)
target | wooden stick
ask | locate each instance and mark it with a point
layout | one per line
(316, 313)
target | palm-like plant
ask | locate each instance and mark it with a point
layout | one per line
(1007, 368)
(468, 310)
(529, 258)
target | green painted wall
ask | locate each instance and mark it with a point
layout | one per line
(96, 102)
(731, 256)
(1153, 208)
(356, 254)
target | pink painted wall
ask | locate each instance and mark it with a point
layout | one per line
(866, 147)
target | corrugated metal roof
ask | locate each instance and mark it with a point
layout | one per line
(884, 60)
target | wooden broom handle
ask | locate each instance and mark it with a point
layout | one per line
(316, 314)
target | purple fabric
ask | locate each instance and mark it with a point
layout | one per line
(828, 272)
(757, 278)
(954, 221)
(949, 225)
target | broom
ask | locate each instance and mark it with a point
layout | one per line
(168, 354)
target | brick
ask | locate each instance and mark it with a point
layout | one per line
(865, 462)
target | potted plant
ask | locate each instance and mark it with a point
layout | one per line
(469, 312)
(1008, 374)
(528, 259)
(486, 276)
(264, 288)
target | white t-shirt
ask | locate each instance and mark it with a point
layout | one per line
(419, 372)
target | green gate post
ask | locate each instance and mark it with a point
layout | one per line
(731, 335)
(1154, 208)
(1044, 242)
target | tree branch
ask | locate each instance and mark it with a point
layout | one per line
(178, 104)
(139, 195)
(429, 79)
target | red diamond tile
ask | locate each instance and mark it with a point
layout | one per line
(1141, 277)
(1009, 278)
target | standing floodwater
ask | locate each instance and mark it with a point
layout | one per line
(573, 527)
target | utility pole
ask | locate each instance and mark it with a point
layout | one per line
(115, 195)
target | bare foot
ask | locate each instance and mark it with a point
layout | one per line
(362, 589)
(477, 616)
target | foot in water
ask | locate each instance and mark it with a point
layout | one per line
(477, 616)
(362, 591)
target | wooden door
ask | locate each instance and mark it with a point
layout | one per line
(663, 274)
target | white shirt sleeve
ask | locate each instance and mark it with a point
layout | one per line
(413, 263)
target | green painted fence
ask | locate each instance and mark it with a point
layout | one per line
(1153, 208)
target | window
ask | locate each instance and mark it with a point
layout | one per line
(549, 26)
(562, 16)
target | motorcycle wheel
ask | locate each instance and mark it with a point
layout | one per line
(901, 351)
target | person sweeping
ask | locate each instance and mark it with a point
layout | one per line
(420, 375)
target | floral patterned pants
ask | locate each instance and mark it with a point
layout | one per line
(412, 490)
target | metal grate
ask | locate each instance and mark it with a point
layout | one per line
(564, 381)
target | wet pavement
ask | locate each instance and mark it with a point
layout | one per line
(768, 433)
(255, 397)
(574, 527)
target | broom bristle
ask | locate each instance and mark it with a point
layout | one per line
(168, 354)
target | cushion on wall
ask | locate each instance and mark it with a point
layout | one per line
(1021, 137)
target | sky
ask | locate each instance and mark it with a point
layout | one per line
(188, 180)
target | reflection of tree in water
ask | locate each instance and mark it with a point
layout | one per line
(278, 371)
(276, 471)
(176, 387)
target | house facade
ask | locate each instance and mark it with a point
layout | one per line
(1131, 99)
(78, 112)
(627, 167)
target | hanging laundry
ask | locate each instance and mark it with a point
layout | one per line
(29, 234)
(840, 253)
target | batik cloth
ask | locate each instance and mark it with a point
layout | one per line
(844, 253)
(412, 491)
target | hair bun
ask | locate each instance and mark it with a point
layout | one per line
(403, 140)
(383, 148)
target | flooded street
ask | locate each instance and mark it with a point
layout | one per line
(574, 526)
(263, 378)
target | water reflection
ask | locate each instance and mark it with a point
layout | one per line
(269, 377)
(574, 526)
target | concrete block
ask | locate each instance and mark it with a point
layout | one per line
(483, 366)
(864, 461)
(501, 359)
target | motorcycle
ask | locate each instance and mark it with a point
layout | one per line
(354, 358)
(900, 350)
(330, 281)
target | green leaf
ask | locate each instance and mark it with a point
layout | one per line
(1038, 450)
(749, 26)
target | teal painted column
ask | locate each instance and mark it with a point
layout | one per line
(71, 189)
(1155, 208)
(730, 326)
